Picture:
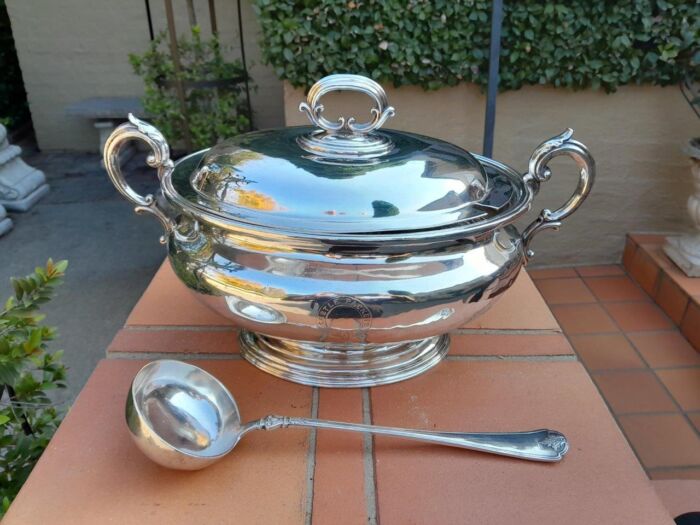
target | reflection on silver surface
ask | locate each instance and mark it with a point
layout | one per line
(319, 256)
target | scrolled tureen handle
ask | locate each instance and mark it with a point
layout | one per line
(538, 172)
(159, 159)
(346, 82)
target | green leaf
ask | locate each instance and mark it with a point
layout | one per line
(61, 266)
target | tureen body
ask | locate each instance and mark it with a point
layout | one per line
(345, 253)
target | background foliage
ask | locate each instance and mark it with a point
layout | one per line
(214, 112)
(436, 43)
(13, 100)
(28, 372)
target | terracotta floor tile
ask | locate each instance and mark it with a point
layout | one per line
(505, 344)
(690, 326)
(672, 299)
(583, 318)
(600, 270)
(637, 317)
(130, 340)
(645, 271)
(662, 440)
(605, 351)
(620, 288)
(665, 349)
(466, 487)
(684, 385)
(634, 391)
(550, 273)
(520, 308)
(695, 420)
(339, 476)
(679, 496)
(675, 473)
(92, 472)
(628, 254)
(168, 302)
(564, 291)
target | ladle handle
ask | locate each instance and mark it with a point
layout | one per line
(536, 445)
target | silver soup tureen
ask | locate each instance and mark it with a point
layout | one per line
(345, 252)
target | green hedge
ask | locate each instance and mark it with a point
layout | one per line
(436, 43)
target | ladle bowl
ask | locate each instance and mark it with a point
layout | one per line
(184, 418)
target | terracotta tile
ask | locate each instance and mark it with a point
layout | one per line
(637, 317)
(130, 340)
(645, 271)
(605, 351)
(672, 299)
(92, 473)
(635, 391)
(662, 440)
(504, 344)
(564, 291)
(690, 326)
(428, 484)
(168, 302)
(684, 385)
(695, 420)
(665, 349)
(657, 253)
(648, 238)
(679, 496)
(628, 254)
(675, 473)
(620, 288)
(690, 285)
(551, 273)
(520, 308)
(600, 270)
(339, 476)
(583, 319)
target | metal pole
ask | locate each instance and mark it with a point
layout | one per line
(175, 54)
(212, 18)
(245, 66)
(149, 19)
(191, 15)
(492, 90)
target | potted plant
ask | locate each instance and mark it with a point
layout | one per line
(212, 88)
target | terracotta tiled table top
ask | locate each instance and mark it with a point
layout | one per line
(511, 369)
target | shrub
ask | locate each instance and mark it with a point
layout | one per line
(213, 93)
(435, 43)
(28, 372)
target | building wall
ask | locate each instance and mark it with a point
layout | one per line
(636, 136)
(75, 49)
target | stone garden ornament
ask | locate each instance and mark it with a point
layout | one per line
(21, 186)
(684, 250)
(346, 252)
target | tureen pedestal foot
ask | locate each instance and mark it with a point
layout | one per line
(342, 365)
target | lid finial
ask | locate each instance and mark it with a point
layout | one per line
(346, 138)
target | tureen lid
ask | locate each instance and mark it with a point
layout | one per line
(346, 177)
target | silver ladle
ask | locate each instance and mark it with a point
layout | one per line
(183, 418)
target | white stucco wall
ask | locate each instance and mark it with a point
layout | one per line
(636, 136)
(75, 49)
